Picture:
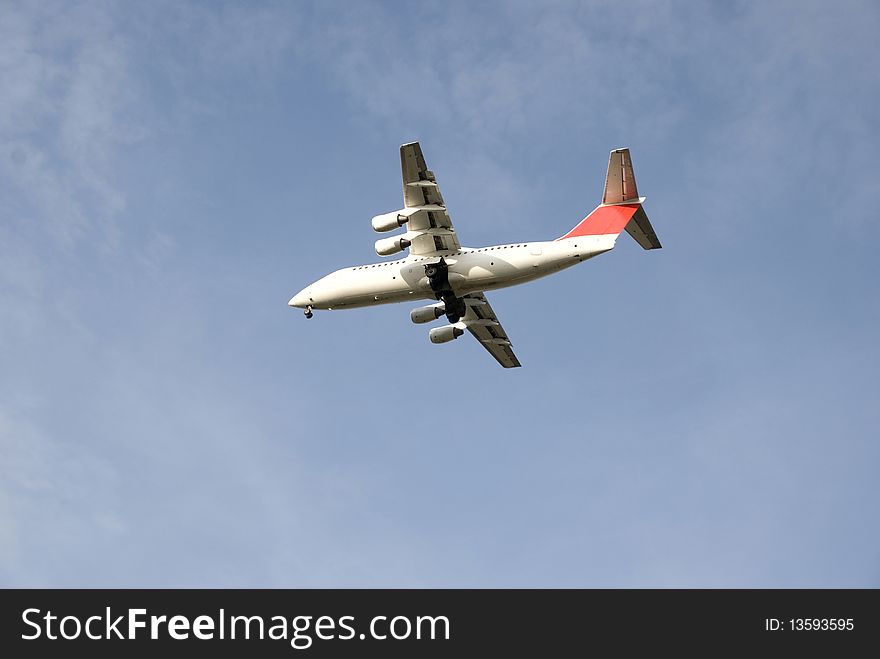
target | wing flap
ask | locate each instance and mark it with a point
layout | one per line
(483, 324)
(430, 224)
(429, 217)
(419, 186)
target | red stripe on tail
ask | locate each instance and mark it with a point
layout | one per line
(604, 220)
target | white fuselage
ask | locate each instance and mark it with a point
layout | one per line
(471, 270)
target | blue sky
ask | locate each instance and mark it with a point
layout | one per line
(702, 415)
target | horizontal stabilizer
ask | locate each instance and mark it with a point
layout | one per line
(639, 227)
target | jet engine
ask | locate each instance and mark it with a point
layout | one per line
(445, 334)
(388, 246)
(393, 220)
(388, 221)
(427, 314)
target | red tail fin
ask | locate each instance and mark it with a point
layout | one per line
(621, 206)
(604, 220)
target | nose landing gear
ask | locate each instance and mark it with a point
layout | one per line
(308, 311)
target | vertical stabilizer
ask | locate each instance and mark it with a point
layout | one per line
(621, 206)
(620, 182)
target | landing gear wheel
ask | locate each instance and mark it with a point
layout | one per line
(455, 308)
(308, 312)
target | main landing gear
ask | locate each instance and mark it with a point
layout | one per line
(438, 278)
(455, 307)
(308, 311)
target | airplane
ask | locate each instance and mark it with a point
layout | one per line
(439, 268)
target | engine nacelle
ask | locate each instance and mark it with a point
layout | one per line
(427, 314)
(388, 246)
(388, 221)
(445, 334)
(395, 219)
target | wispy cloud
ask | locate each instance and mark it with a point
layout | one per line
(67, 108)
(747, 82)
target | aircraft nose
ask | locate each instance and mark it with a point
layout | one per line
(300, 300)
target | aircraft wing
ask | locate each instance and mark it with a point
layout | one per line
(429, 227)
(482, 322)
